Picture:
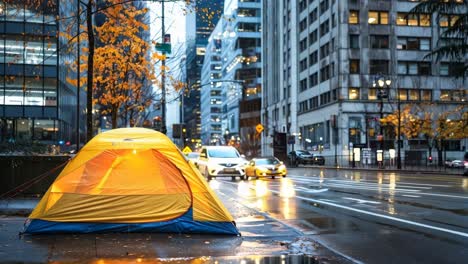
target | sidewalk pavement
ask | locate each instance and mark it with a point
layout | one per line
(263, 240)
(452, 172)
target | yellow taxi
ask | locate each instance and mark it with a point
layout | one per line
(265, 167)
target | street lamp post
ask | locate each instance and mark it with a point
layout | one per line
(383, 83)
(163, 74)
(399, 129)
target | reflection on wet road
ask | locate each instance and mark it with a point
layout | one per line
(370, 216)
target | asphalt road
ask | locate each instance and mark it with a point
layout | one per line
(367, 216)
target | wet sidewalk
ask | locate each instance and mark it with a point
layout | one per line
(449, 171)
(263, 240)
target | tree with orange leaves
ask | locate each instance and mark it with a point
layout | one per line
(123, 66)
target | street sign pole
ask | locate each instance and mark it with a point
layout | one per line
(163, 75)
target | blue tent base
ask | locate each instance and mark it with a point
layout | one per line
(184, 224)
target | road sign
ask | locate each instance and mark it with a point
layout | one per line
(259, 128)
(187, 150)
(163, 47)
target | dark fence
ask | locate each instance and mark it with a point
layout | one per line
(422, 163)
(18, 171)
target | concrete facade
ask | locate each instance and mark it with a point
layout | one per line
(321, 90)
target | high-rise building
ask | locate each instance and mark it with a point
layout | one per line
(211, 97)
(36, 103)
(333, 69)
(241, 49)
(200, 24)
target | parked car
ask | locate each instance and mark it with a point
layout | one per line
(465, 164)
(221, 161)
(448, 163)
(457, 164)
(301, 157)
(265, 167)
(318, 159)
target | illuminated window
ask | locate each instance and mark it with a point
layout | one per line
(353, 17)
(414, 95)
(403, 94)
(445, 95)
(426, 95)
(372, 95)
(378, 17)
(353, 66)
(353, 94)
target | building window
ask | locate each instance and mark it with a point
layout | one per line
(313, 58)
(372, 95)
(447, 20)
(324, 50)
(444, 69)
(414, 68)
(454, 95)
(424, 44)
(313, 37)
(451, 69)
(379, 41)
(313, 16)
(378, 18)
(313, 79)
(303, 85)
(445, 95)
(353, 66)
(354, 41)
(413, 95)
(324, 27)
(325, 73)
(353, 93)
(424, 68)
(426, 95)
(403, 94)
(413, 20)
(353, 17)
(378, 67)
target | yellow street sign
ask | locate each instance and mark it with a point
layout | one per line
(187, 150)
(259, 128)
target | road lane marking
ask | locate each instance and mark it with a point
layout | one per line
(383, 188)
(381, 216)
(304, 189)
(366, 183)
(370, 181)
(412, 196)
(361, 201)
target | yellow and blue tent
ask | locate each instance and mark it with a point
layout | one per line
(130, 180)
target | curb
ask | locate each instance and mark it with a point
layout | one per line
(14, 207)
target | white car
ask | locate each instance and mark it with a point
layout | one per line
(221, 161)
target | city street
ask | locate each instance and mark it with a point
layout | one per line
(355, 216)
(371, 217)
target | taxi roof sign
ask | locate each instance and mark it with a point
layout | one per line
(187, 150)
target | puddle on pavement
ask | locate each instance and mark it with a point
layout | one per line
(250, 218)
(283, 259)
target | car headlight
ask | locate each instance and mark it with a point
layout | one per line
(281, 167)
(262, 169)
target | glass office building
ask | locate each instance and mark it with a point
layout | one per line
(34, 104)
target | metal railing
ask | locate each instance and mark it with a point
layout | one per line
(345, 161)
